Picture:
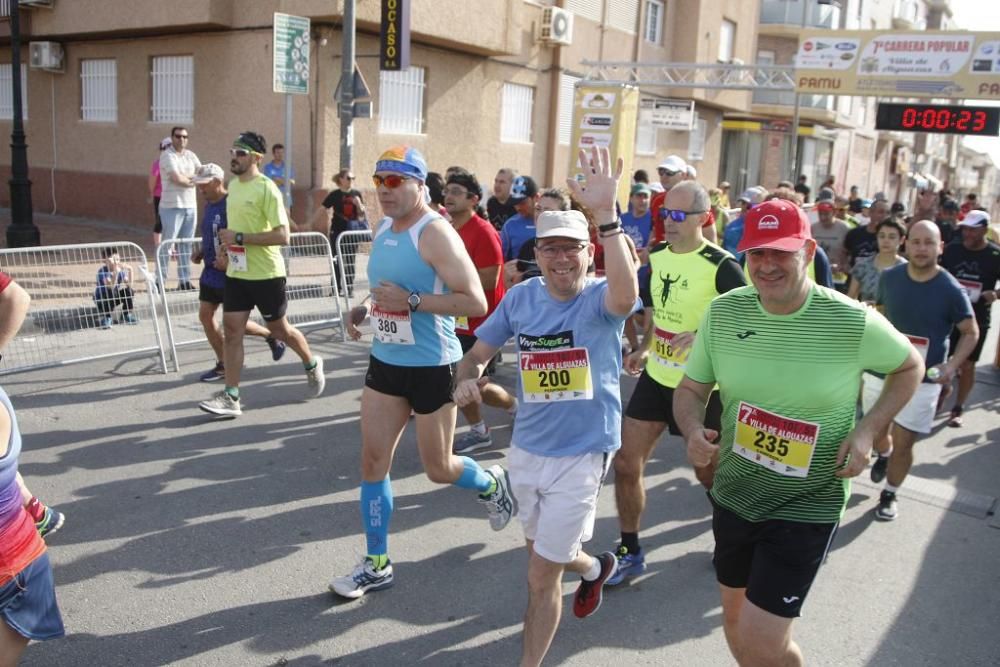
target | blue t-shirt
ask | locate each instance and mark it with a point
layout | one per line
(395, 258)
(540, 323)
(517, 231)
(104, 272)
(731, 237)
(273, 171)
(213, 220)
(639, 228)
(924, 310)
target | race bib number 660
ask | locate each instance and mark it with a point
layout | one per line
(556, 375)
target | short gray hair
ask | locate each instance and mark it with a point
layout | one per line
(700, 201)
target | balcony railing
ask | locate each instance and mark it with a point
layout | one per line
(787, 98)
(819, 13)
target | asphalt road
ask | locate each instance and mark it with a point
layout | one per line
(199, 542)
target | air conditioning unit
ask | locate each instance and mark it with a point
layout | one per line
(47, 4)
(47, 56)
(556, 26)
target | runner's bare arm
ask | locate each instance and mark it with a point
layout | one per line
(442, 248)
(468, 375)
(14, 302)
(636, 360)
(277, 236)
(899, 387)
(969, 330)
(690, 399)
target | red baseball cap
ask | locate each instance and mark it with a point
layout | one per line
(777, 224)
(825, 205)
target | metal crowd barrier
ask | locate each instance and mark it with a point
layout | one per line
(313, 299)
(354, 250)
(65, 323)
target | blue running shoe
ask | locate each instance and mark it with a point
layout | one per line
(277, 348)
(628, 566)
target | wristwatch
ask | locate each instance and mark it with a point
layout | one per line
(610, 227)
(414, 301)
(239, 238)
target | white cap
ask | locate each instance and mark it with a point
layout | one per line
(673, 163)
(208, 172)
(975, 219)
(692, 172)
(567, 224)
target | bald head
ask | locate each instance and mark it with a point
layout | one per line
(926, 229)
(688, 196)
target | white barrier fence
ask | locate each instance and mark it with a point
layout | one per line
(354, 250)
(70, 318)
(311, 288)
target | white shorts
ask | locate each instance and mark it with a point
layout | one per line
(917, 415)
(557, 499)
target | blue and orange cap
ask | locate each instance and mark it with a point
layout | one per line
(404, 160)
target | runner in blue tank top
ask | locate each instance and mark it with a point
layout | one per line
(421, 277)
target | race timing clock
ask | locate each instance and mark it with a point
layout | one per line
(938, 118)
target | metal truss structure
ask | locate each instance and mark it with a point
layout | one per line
(691, 75)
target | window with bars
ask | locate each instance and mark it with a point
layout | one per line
(173, 89)
(567, 97)
(654, 21)
(99, 87)
(401, 101)
(6, 92)
(516, 112)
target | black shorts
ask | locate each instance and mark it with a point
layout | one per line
(209, 294)
(467, 342)
(267, 295)
(652, 402)
(158, 225)
(776, 561)
(984, 328)
(426, 388)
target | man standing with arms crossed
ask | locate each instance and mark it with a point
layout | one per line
(255, 275)
(787, 356)
(482, 242)
(421, 278)
(178, 203)
(567, 329)
(687, 272)
(499, 207)
(924, 302)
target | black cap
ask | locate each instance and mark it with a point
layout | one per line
(951, 205)
(522, 188)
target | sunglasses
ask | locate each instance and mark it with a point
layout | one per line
(679, 216)
(238, 152)
(667, 172)
(392, 181)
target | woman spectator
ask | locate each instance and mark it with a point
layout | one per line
(155, 186)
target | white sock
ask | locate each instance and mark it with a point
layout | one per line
(595, 570)
(891, 489)
(479, 428)
(512, 410)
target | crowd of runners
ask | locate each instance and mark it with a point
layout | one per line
(754, 339)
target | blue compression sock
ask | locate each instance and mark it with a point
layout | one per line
(474, 477)
(376, 510)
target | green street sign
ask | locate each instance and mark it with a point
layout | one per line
(291, 54)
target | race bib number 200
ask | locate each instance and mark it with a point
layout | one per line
(556, 375)
(781, 444)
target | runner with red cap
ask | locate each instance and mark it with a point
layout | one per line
(787, 356)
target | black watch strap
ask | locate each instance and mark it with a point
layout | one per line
(610, 227)
(239, 238)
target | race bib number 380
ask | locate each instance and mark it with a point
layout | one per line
(781, 444)
(556, 375)
(392, 326)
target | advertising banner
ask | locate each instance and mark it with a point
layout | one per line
(605, 116)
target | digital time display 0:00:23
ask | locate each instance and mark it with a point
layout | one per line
(951, 119)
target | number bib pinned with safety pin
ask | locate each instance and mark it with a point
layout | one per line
(781, 444)
(665, 353)
(392, 326)
(556, 375)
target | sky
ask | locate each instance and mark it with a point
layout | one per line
(979, 15)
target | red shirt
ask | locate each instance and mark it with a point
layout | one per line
(656, 208)
(4, 281)
(482, 242)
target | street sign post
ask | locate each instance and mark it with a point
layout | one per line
(291, 47)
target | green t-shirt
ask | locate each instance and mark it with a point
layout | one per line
(789, 385)
(252, 207)
(681, 286)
